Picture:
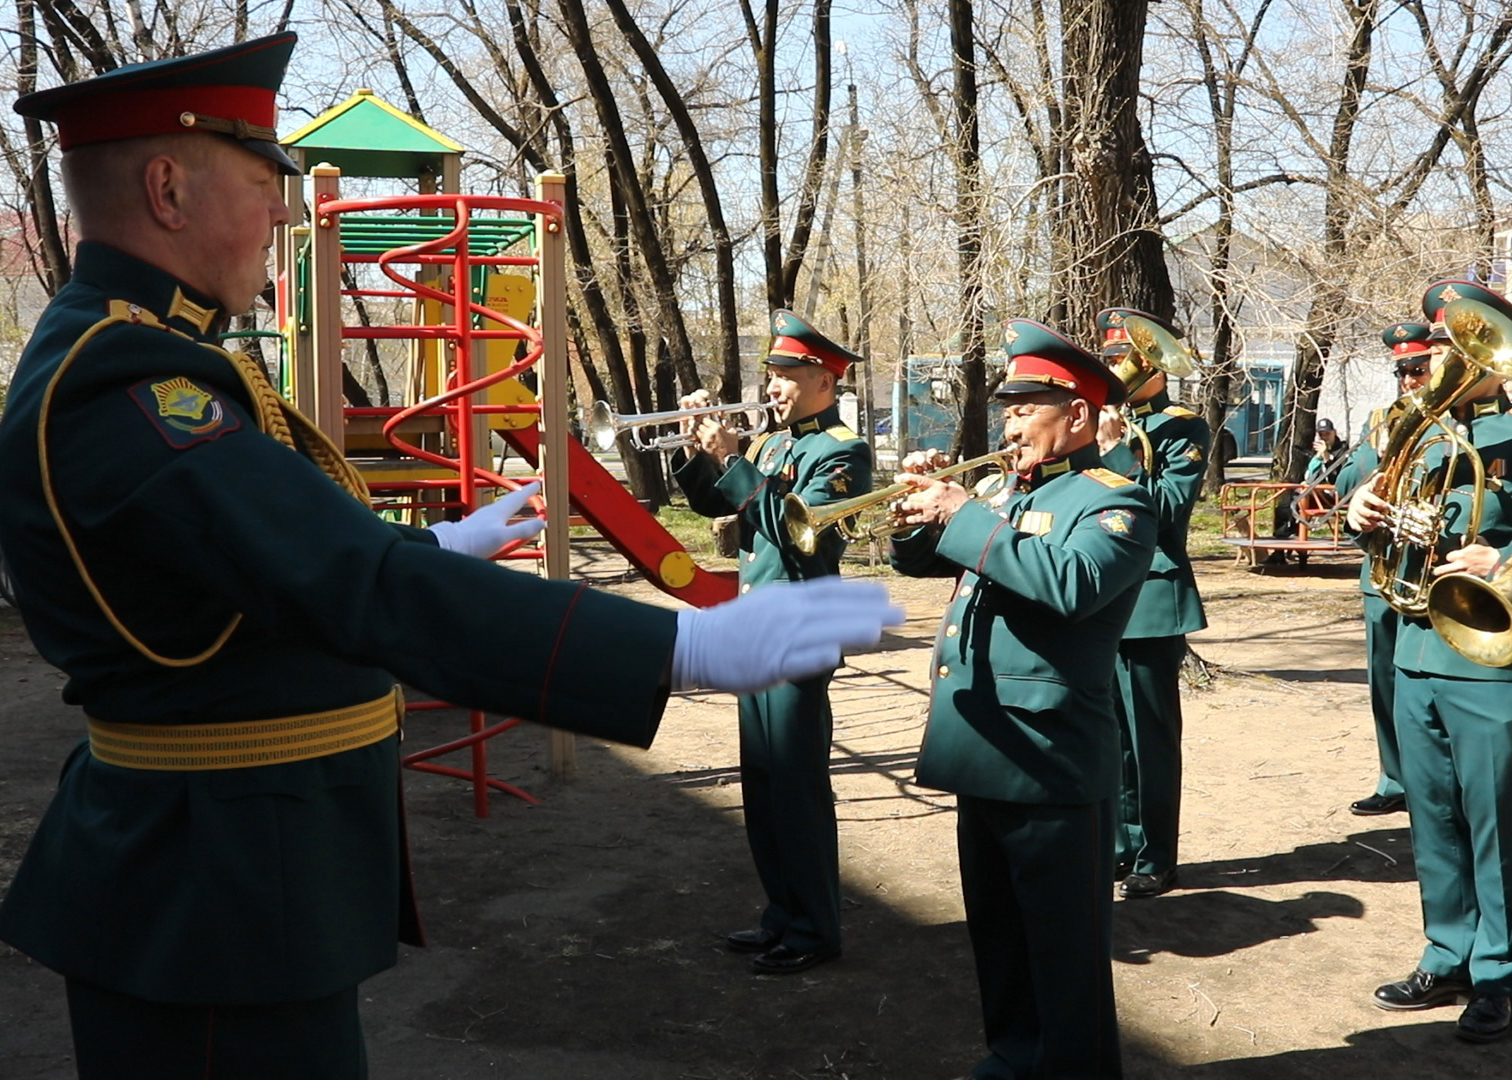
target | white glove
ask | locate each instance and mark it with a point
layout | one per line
(777, 633)
(487, 529)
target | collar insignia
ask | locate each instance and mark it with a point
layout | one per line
(184, 308)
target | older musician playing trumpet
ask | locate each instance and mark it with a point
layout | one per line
(1454, 729)
(1021, 721)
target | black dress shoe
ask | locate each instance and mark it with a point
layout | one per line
(1143, 886)
(1378, 804)
(1420, 990)
(752, 940)
(786, 960)
(1486, 1019)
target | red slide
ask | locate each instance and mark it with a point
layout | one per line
(635, 533)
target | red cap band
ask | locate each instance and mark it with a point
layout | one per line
(135, 113)
(786, 346)
(1410, 348)
(1040, 369)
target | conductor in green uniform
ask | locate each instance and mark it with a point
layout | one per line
(1410, 351)
(1021, 720)
(785, 731)
(1453, 724)
(223, 862)
(1149, 657)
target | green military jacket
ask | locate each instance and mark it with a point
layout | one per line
(1419, 647)
(1169, 603)
(818, 458)
(1021, 702)
(266, 883)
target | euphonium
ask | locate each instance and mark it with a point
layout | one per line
(805, 523)
(1152, 350)
(1402, 551)
(1471, 614)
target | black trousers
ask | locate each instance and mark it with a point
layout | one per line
(1038, 884)
(120, 1037)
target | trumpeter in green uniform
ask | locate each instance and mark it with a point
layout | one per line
(1453, 726)
(1150, 655)
(1410, 351)
(785, 731)
(222, 864)
(1021, 720)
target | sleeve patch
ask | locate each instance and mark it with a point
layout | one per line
(1118, 522)
(1108, 478)
(840, 480)
(184, 412)
(1193, 453)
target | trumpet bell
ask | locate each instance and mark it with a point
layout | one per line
(603, 426)
(1474, 616)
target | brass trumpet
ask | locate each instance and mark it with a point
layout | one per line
(604, 424)
(805, 523)
(1152, 350)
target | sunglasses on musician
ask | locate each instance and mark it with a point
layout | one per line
(1414, 370)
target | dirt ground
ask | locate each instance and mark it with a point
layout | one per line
(582, 938)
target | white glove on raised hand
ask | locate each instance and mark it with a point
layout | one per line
(778, 633)
(487, 529)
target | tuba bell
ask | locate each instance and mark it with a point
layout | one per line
(1152, 350)
(1474, 615)
(1402, 553)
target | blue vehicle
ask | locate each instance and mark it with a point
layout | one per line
(930, 404)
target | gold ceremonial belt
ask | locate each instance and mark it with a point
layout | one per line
(184, 747)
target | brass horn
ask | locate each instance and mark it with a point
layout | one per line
(1402, 551)
(1474, 615)
(1152, 350)
(604, 424)
(805, 523)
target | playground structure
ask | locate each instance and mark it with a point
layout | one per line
(472, 290)
(1247, 508)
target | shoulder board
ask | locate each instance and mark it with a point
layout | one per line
(1178, 410)
(841, 433)
(1107, 478)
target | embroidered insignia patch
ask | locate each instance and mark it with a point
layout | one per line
(1194, 453)
(839, 481)
(184, 412)
(1118, 522)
